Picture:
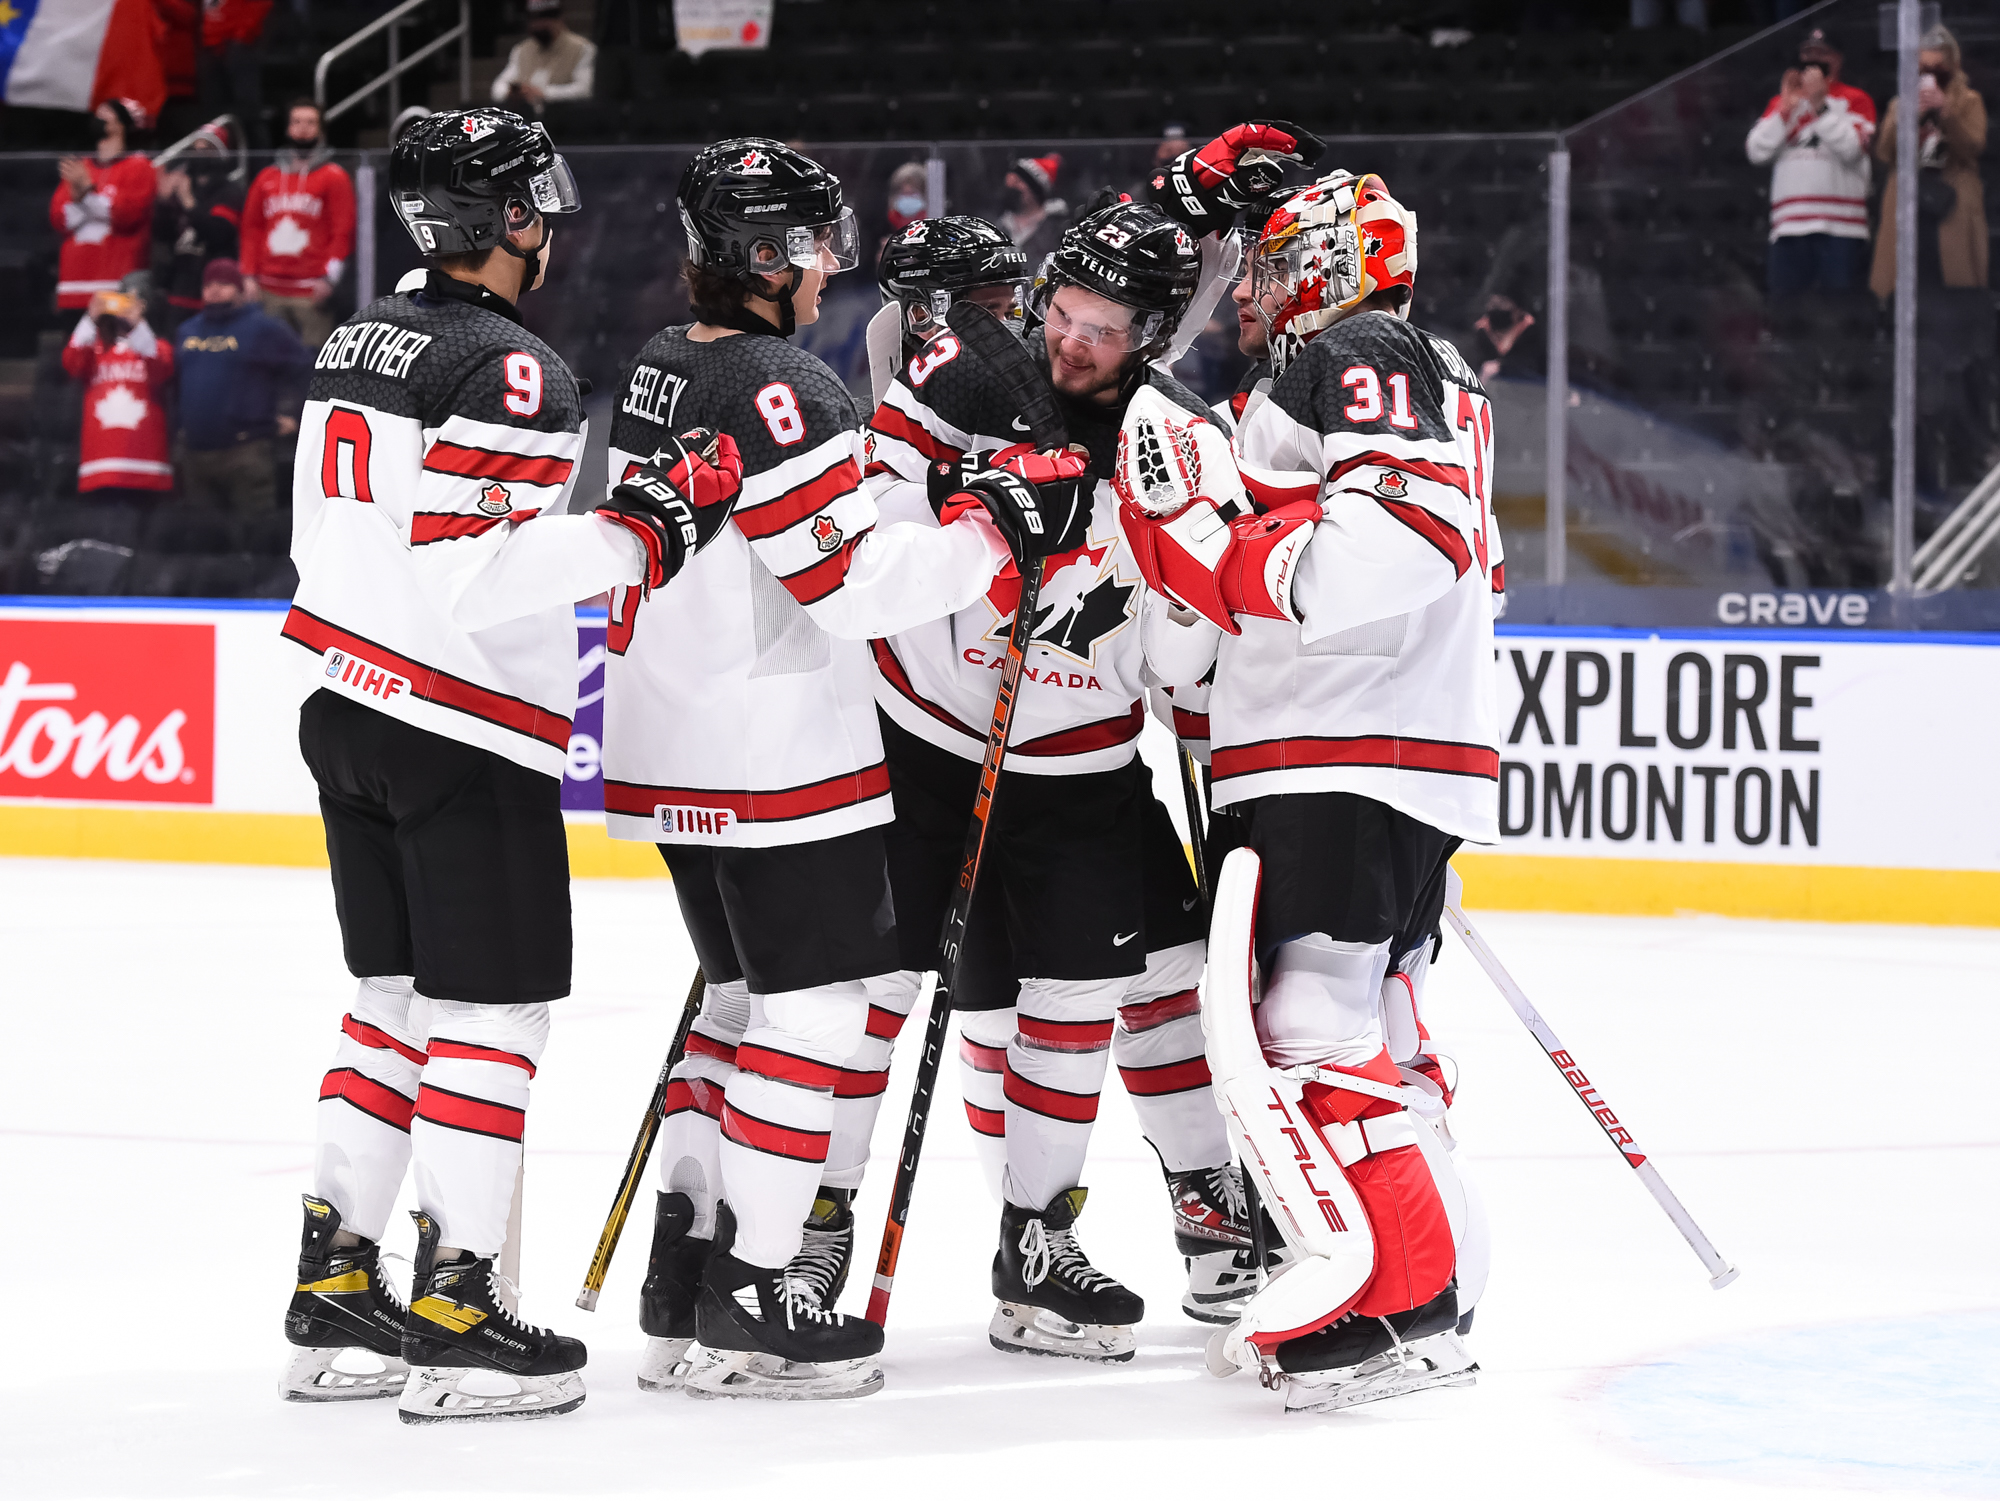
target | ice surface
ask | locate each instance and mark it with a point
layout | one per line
(1816, 1095)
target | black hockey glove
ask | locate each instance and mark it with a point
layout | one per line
(1241, 169)
(678, 501)
(1039, 502)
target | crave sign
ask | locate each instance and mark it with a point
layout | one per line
(107, 711)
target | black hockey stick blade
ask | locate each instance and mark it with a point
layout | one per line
(642, 1149)
(1008, 358)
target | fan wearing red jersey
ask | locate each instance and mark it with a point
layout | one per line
(1340, 584)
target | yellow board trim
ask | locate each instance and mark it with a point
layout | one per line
(1493, 882)
(85, 831)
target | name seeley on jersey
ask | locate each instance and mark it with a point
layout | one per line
(382, 348)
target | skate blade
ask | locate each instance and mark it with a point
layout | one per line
(664, 1366)
(341, 1374)
(468, 1394)
(713, 1374)
(1019, 1329)
(1216, 1353)
(1421, 1375)
(1221, 1310)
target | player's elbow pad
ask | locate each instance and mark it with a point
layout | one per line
(1222, 566)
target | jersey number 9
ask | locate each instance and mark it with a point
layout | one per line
(524, 385)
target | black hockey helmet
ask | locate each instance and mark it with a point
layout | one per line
(464, 179)
(1132, 254)
(929, 263)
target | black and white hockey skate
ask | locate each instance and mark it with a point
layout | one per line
(1369, 1359)
(1052, 1300)
(345, 1319)
(827, 1252)
(666, 1301)
(470, 1358)
(765, 1333)
(1212, 1233)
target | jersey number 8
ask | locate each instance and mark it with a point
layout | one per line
(780, 410)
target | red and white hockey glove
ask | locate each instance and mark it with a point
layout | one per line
(1206, 189)
(678, 501)
(1039, 501)
(1196, 534)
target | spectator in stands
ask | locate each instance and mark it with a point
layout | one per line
(298, 228)
(550, 65)
(232, 64)
(123, 461)
(199, 215)
(103, 208)
(1817, 131)
(908, 187)
(1033, 218)
(242, 376)
(1951, 207)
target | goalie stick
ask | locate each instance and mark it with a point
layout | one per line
(642, 1148)
(1008, 360)
(1721, 1271)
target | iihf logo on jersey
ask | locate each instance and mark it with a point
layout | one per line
(754, 164)
(1392, 486)
(494, 500)
(825, 533)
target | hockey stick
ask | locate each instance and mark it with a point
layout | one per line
(1008, 359)
(642, 1148)
(1721, 1271)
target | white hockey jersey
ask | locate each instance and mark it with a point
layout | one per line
(739, 703)
(1386, 690)
(1082, 703)
(437, 579)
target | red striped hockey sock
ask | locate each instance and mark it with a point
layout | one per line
(1055, 1070)
(365, 1102)
(1158, 1049)
(472, 1107)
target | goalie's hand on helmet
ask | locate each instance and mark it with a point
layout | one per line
(1191, 524)
(1243, 168)
(1038, 500)
(678, 500)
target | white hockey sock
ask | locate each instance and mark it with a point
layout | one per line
(1158, 1049)
(1055, 1072)
(472, 1108)
(857, 1094)
(777, 1114)
(365, 1102)
(983, 1037)
(690, 1144)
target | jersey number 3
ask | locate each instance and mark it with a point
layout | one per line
(1475, 423)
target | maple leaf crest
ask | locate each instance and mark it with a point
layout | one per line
(825, 533)
(494, 499)
(286, 238)
(1393, 485)
(120, 406)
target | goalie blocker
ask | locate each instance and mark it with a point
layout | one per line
(1358, 1183)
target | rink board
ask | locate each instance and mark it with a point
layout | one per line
(1832, 775)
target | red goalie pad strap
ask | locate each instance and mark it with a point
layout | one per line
(1338, 1107)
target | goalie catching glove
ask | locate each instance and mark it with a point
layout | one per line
(678, 501)
(1038, 501)
(1239, 170)
(1199, 537)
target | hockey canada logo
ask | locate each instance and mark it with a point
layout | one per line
(494, 500)
(1392, 486)
(825, 533)
(754, 164)
(476, 127)
(1080, 607)
(916, 233)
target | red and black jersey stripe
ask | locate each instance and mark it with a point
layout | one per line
(1443, 474)
(796, 504)
(885, 1023)
(891, 423)
(427, 527)
(489, 463)
(369, 1096)
(777, 806)
(1100, 734)
(1447, 757)
(1190, 725)
(464, 1112)
(769, 1137)
(433, 685)
(811, 585)
(1440, 533)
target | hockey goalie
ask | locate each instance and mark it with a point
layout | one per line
(1339, 570)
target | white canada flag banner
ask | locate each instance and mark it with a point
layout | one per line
(120, 711)
(1813, 749)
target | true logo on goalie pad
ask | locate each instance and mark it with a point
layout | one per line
(363, 679)
(1296, 1134)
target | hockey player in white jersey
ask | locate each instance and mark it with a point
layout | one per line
(1107, 959)
(740, 737)
(436, 636)
(1349, 614)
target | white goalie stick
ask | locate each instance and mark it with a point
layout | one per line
(1721, 1271)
